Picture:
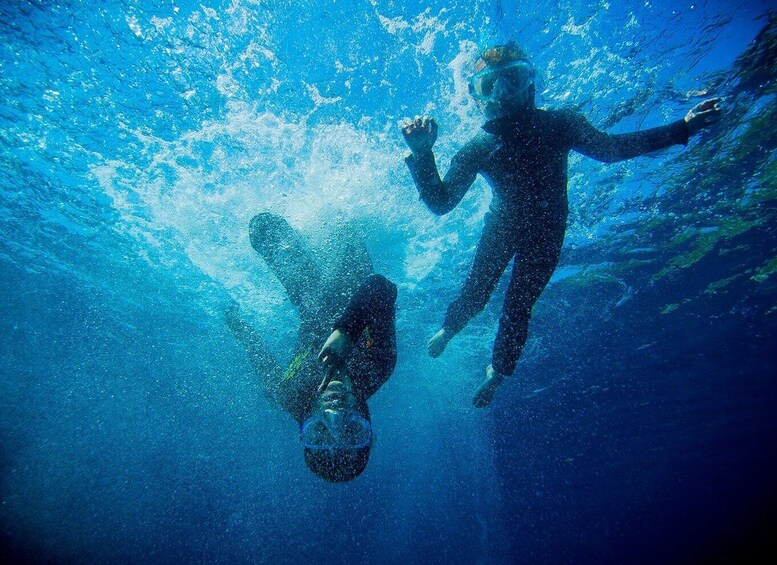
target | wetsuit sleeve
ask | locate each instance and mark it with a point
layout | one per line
(588, 140)
(372, 306)
(375, 350)
(442, 195)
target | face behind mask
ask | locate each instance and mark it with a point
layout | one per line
(336, 422)
(503, 89)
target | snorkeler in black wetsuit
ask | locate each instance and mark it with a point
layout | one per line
(326, 394)
(522, 153)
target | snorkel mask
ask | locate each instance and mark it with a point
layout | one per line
(336, 422)
(336, 430)
(502, 83)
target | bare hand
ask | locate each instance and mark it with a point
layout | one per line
(702, 115)
(334, 349)
(332, 355)
(420, 134)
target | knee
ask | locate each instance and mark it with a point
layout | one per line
(518, 306)
(381, 286)
(517, 312)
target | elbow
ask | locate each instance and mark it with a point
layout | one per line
(383, 287)
(439, 208)
(438, 200)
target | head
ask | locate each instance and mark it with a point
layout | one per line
(503, 83)
(337, 434)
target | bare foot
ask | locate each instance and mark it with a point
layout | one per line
(487, 388)
(437, 344)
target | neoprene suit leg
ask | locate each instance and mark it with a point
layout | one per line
(495, 249)
(287, 254)
(538, 255)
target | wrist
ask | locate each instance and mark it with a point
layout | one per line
(423, 154)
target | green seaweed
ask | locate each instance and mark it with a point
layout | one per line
(765, 271)
(759, 136)
(766, 190)
(669, 308)
(610, 273)
(727, 250)
(714, 287)
(683, 237)
(705, 243)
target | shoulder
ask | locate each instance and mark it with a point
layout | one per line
(567, 125)
(482, 144)
(563, 117)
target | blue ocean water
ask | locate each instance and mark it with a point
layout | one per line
(137, 139)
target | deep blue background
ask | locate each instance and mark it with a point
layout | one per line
(137, 140)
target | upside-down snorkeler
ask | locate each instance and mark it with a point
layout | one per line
(346, 311)
(522, 153)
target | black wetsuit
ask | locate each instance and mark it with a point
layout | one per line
(360, 304)
(524, 159)
(368, 321)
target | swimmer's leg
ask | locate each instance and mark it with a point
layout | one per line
(533, 267)
(288, 255)
(345, 265)
(538, 255)
(495, 249)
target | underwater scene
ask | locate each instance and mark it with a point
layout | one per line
(138, 140)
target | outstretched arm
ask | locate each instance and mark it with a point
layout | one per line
(609, 148)
(618, 147)
(440, 196)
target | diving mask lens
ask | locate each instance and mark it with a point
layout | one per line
(353, 433)
(504, 81)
